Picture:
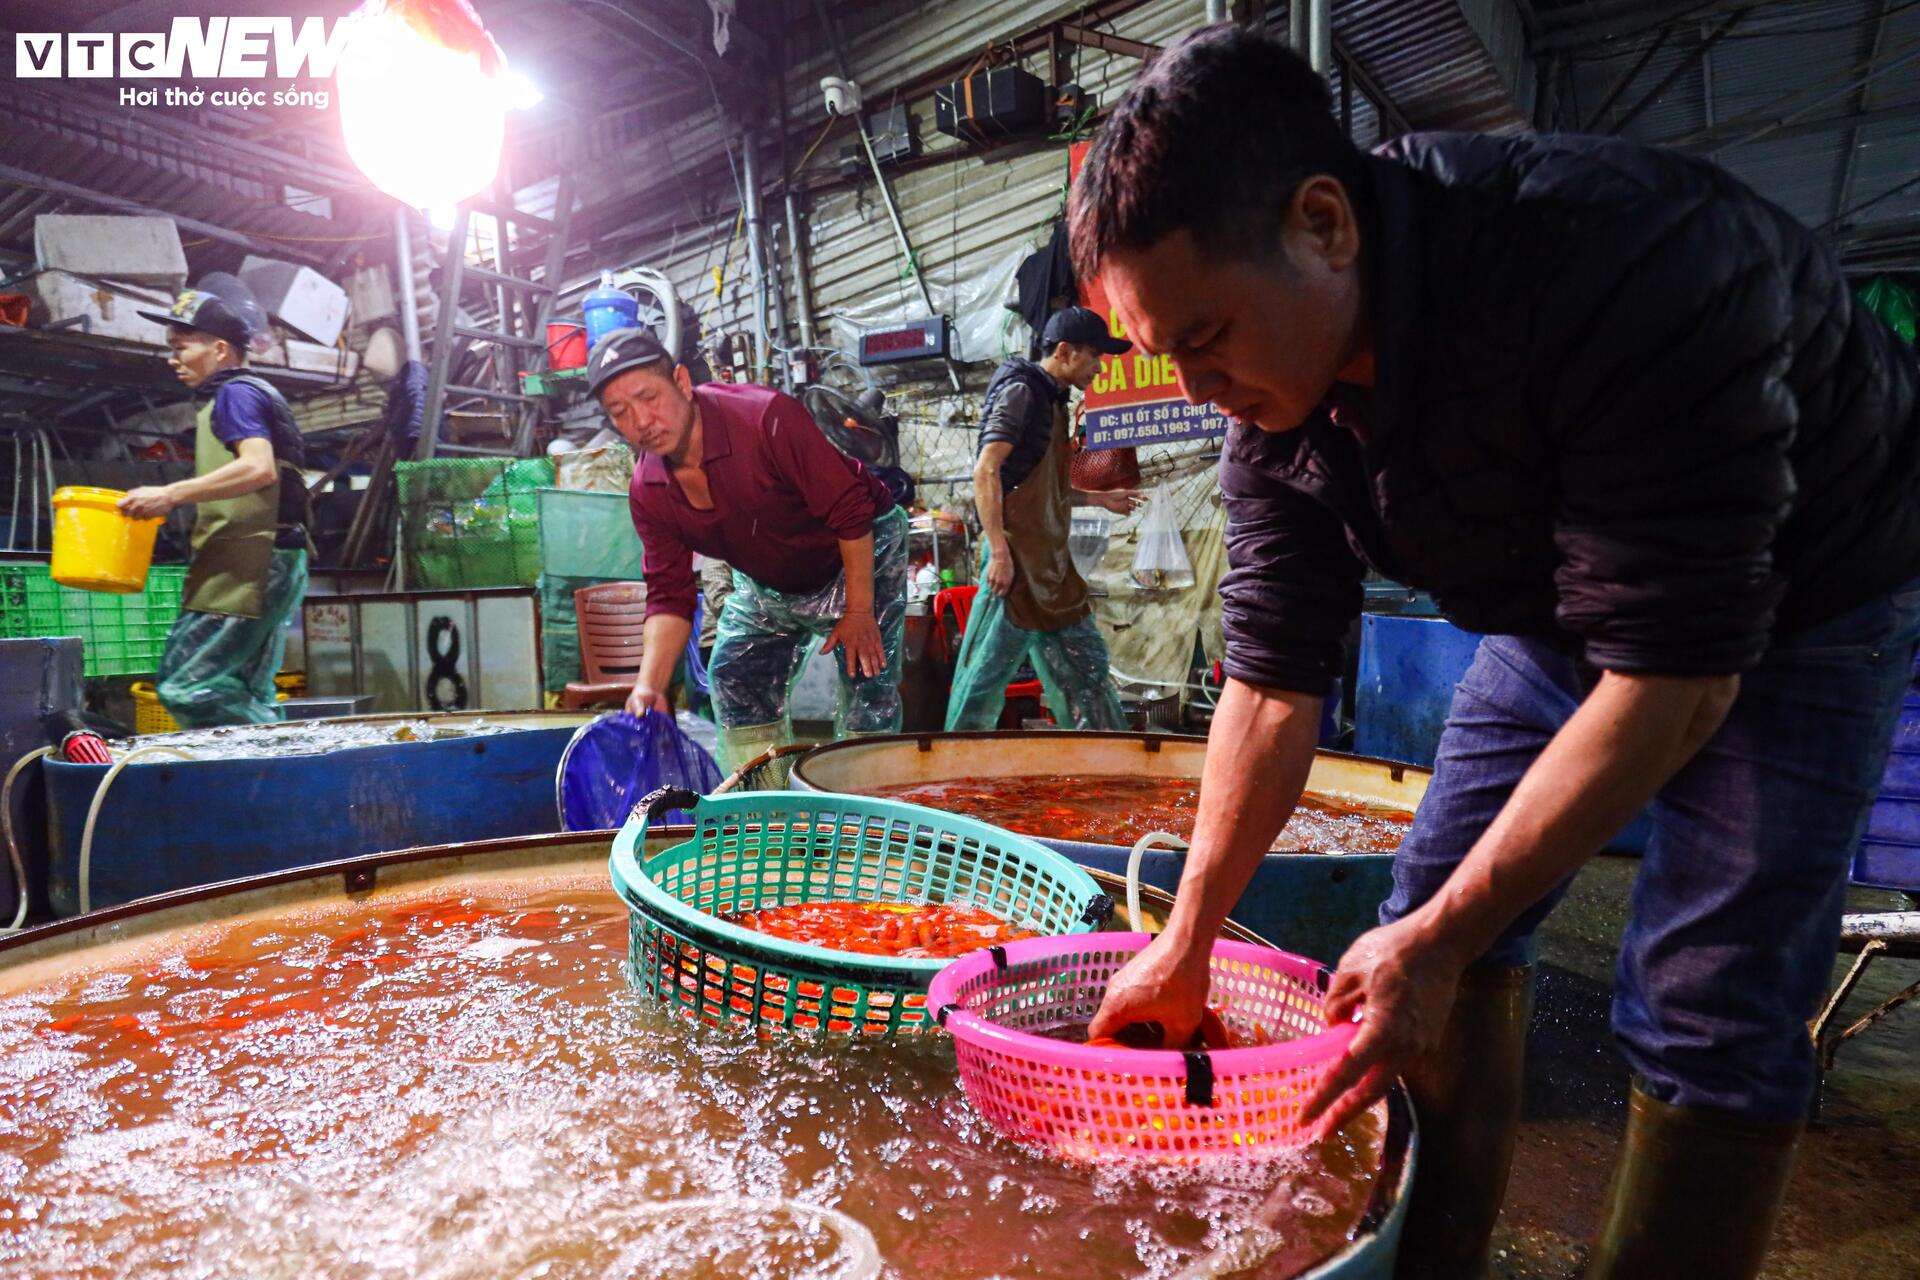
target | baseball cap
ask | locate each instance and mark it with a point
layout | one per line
(205, 309)
(619, 351)
(1082, 325)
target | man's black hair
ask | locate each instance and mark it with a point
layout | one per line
(1215, 137)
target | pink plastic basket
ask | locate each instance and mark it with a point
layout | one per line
(1094, 1103)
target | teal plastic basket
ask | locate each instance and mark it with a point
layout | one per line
(778, 848)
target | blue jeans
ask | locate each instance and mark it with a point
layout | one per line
(1734, 919)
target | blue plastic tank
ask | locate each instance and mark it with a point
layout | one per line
(607, 309)
(1408, 668)
(1889, 855)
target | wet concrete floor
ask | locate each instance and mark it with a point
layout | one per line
(1853, 1210)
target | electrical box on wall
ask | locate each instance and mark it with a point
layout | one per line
(992, 105)
(895, 138)
(734, 357)
(927, 339)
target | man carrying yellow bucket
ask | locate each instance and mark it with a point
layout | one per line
(249, 568)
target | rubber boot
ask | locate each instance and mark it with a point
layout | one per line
(1467, 1097)
(742, 745)
(1695, 1193)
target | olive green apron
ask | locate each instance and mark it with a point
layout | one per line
(1048, 593)
(232, 537)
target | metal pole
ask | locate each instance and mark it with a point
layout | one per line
(1320, 39)
(403, 269)
(1216, 11)
(1297, 26)
(756, 251)
(802, 285)
(776, 264)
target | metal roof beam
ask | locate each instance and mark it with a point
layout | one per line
(1712, 140)
(1629, 20)
(1849, 164)
(1693, 56)
(298, 170)
(123, 205)
(1754, 126)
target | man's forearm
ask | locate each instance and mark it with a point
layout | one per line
(1259, 751)
(1630, 735)
(856, 561)
(986, 503)
(662, 640)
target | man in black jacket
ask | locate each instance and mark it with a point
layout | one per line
(1622, 416)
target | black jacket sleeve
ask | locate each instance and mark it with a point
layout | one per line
(1292, 587)
(1671, 405)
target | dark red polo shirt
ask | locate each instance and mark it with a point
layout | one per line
(783, 500)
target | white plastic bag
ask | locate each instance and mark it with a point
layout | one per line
(1161, 562)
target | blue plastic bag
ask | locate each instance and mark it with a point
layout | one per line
(614, 761)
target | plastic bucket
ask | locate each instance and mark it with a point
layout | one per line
(566, 346)
(95, 546)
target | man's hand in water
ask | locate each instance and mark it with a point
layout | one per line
(1166, 983)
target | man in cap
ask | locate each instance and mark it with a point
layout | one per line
(742, 474)
(1035, 605)
(1623, 418)
(249, 565)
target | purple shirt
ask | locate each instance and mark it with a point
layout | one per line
(783, 500)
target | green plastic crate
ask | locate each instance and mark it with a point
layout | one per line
(122, 635)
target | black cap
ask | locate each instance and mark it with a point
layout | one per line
(209, 313)
(619, 351)
(1082, 325)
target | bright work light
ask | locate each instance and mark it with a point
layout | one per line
(423, 99)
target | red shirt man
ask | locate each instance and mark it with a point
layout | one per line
(742, 474)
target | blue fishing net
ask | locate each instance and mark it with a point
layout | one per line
(617, 759)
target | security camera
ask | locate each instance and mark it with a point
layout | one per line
(843, 96)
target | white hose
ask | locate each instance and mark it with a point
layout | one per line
(1140, 848)
(93, 814)
(13, 849)
(865, 1264)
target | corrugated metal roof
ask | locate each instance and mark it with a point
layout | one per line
(964, 207)
(1430, 63)
(1770, 99)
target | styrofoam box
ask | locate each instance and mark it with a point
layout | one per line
(370, 290)
(137, 250)
(299, 297)
(109, 307)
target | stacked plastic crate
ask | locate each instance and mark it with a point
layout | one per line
(122, 634)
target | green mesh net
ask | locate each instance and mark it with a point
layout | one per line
(471, 522)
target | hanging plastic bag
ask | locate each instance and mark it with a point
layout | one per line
(614, 761)
(1894, 303)
(1161, 563)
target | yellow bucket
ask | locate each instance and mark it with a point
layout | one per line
(95, 545)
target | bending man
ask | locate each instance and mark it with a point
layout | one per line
(1622, 417)
(742, 474)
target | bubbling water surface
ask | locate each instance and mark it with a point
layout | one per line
(459, 1083)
